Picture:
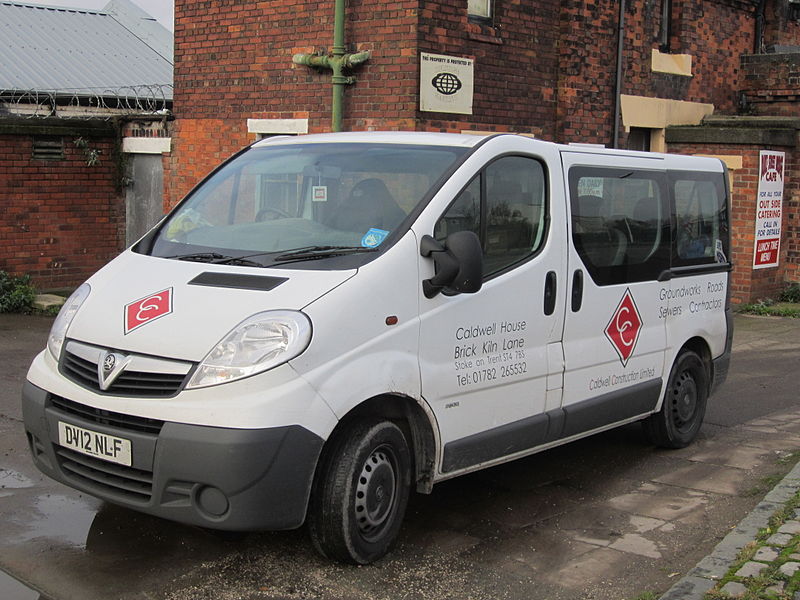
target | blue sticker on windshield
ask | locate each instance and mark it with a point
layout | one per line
(374, 238)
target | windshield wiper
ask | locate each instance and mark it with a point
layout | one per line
(314, 252)
(199, 257)
(304, 253)
(217, 259)
(237, 261)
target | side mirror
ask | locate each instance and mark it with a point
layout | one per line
(458, 264)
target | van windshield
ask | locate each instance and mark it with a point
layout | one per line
(271, 205)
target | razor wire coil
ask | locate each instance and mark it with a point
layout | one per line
(146, 99)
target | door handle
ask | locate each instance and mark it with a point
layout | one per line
(550, 293)
(577, 290)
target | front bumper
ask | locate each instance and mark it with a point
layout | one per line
(216, 477)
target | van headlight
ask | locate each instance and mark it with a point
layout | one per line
(58, 332)
(263, 341)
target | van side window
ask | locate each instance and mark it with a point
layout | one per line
(620, 223)
(701, 234)
(505, 207)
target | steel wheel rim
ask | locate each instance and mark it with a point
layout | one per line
(684, 401)
(376, 492)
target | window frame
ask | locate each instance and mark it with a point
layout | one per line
(634, 134)
(484, 214)
(487, 19)
(658, 261)
(719, 180)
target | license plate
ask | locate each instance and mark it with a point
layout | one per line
(93, 443)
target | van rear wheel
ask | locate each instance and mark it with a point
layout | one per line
(677, 423)
(361, 492)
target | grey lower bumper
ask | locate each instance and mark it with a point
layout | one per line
(722, 363)
(231, 479)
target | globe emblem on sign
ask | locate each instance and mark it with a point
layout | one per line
(446, 83)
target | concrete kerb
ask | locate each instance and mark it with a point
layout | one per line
(712, 568)
(48, 301)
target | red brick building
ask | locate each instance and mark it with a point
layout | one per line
(77, 136)
(51, 228)
(631, 73)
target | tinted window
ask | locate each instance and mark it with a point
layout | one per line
(701, 213)
(505, 206)
(620, 223)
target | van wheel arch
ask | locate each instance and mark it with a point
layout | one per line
(683, 408)
(700, 347)
(412, 420)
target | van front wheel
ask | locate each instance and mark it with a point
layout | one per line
(360, 495)
(681, 415)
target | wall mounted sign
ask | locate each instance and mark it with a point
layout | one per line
(445, 83)
(769, 209)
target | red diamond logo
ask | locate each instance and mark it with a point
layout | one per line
(147, 309)
(624, 327)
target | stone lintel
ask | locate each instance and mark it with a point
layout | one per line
(710, 134)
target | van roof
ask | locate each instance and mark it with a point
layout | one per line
(423, 138)
(378, 137)
(675, 161)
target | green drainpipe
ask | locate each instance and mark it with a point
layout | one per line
(337, 62)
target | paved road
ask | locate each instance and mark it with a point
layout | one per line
(606, 517)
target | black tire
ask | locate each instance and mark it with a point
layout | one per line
(361, 492)
(677, 423)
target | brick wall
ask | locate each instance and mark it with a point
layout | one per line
(791, 209)
(233, 61)
(715, 34)
(549, 68)
(60, 220)
(546, 67)
(515, 75)
(771, 83)
(782, 26)
(586, 71)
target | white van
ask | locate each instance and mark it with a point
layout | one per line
(330, 321)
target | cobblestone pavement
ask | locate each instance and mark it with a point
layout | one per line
(760, 558)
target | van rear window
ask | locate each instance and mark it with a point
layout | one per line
(701, 215)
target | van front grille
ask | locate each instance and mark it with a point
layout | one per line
(129, 383)
(134, 484)
(107, 417)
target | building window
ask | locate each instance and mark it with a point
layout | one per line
(794, 10)
(480, 10)
(639, 139)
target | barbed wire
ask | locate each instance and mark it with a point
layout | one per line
(95, 102)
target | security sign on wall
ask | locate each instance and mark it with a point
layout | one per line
(769, 213)
(445, 83)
